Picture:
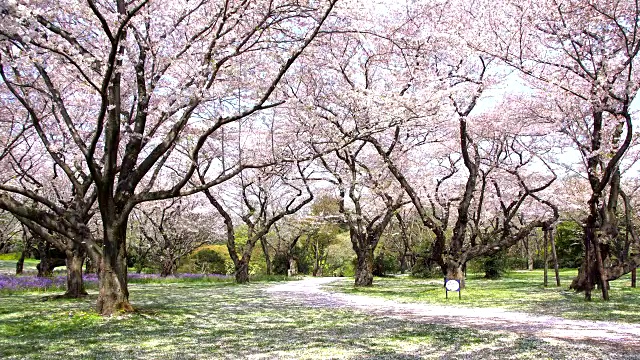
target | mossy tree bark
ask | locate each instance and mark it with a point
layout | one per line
(114, 293)
(364, 267)
(75, 284)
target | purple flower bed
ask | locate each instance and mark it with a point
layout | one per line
(32, 282)
(10, 282)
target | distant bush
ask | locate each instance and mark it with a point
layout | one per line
(209, 259)
(569, 244)
(10, 256)
(425, 269)
(495, 266)
(385, 264)
(280, 264)
(340, 257)
(210, 262)
(517, 263)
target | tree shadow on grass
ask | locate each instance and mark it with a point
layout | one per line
(193, 321)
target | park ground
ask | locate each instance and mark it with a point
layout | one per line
(326, 318)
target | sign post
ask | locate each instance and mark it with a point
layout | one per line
(452, 285)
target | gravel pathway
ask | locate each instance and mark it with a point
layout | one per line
(613, 334)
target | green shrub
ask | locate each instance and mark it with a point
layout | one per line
(384, 264)
(340, 257)
(10, 256)
(425, 269)
(517, 263)
(210, 261)
(280, 264)
(569, 244)
(495, 266)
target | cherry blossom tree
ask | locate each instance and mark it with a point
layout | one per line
(259, 198)
(36, 185)
(368, 202)
(128, 82)
(172, 229)
(583, 54)
(9, 230)
(287, 237)
(497, 187)
(407, 83)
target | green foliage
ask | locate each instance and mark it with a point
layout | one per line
(515, 262)
(304, 261)
(10, 256)
(340, 256)
(495, 265)
(423, 268)
(280, 264)
(208, 259)
(241, 236)
(325, 206)
(257, 265)
(385, 263)
(569, 244)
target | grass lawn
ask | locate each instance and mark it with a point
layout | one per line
(517, 290)
(9, 266)
(216, 319)
(220, 320)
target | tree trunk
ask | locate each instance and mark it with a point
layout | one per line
(50, 258)
(267, 258)
(75, 284)
(293, 267)
(168, 268)
(555, 257)
(90, 266)
(20, 263)
(317, 270)
(633, 278)
(454, 271)
(140, 262)
(364, 268)
(587, 273)
(44, 269)
(592, 271)
(602, 277)
(527, 247)
(546, 257)
(114, 293)
(242, 270)
(25, 251)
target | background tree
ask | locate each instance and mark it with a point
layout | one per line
(171, 230)
(583, 54)
(259, 198)
(367, 203)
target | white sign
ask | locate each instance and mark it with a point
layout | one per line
(452, 285)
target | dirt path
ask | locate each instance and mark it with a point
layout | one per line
(309, 292)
